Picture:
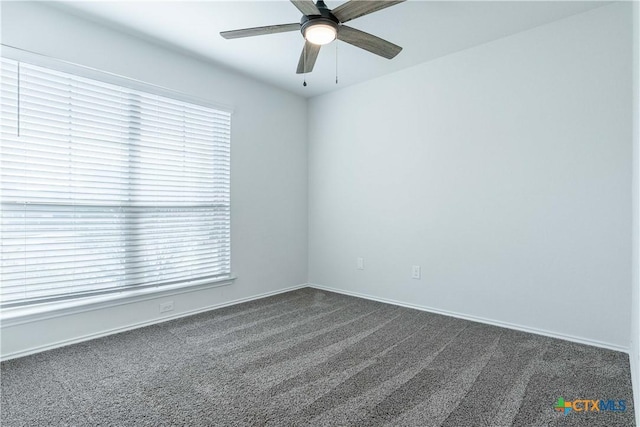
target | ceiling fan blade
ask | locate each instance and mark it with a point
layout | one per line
(308, 57)
(356, 8)
(259, 31)
(307, 7)
(368, 42)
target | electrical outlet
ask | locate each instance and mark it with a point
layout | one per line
(415, 272)
(360, 263)
(166, 306)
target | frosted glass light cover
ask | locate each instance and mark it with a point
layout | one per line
(320, 34)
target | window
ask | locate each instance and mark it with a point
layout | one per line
(105, 188)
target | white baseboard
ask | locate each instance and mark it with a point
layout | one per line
(88, 337)
(634, 360)
(498, 323)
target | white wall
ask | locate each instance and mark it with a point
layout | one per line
(503, 170)
(269, 167)
(634, 354)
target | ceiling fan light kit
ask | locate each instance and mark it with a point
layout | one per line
(320, 26)
(319, 31)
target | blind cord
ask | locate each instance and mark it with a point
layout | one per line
(18, 101)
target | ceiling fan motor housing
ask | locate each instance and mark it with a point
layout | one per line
(325, 17)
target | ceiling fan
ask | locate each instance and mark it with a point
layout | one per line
(320, 25)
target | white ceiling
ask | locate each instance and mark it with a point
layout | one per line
(425, 29)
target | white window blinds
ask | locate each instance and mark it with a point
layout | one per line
(105, 188)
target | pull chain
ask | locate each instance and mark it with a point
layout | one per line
(304, 65)
(336, 61)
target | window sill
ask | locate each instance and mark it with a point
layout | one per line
(19, 315)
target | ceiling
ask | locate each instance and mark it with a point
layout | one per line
(425, 29)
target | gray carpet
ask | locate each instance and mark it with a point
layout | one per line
(315, 358)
